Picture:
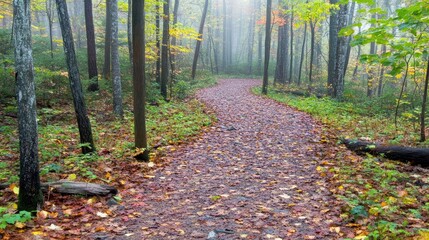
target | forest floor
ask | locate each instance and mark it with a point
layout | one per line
(263, 171)
(252, 176)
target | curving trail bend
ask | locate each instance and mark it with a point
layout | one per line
(253, 173)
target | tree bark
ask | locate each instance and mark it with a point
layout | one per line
(302, 54)
(333, 40)
(74, 77)
(116, 71)
(68, 187)
(165, 47)
(139, 85)
(107, 41)
(91, 49)
(158, 43)
(267, 48)
(49, 14)
(290, 80)
(129, 32)
(174, 39)
(340, 54)
(414, 156)
(200, 34)
(424, 101)
(310, 73)
(30, 196)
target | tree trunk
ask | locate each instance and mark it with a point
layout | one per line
(107, 41)
(349, 39)
(200, 34)
(414, 156)
(251, 38)
(340, 52)
(158, 43)
(49, 14)
(116, 71)
(165, 47)
(139, 85)
(74, 77)
(129, 32)
(74, 188)
(91, 49)
(30, 196)
(291, 47)
(313, 36)
(302, 54)
(333, 40)
(174, 39)
(224, 39)
(423, 113)
(267, 48)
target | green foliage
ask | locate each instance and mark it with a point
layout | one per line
(12, 218)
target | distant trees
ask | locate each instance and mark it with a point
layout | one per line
(30, 195)
(107, 41)
(86, 140)
(165, 48)
(198, 45)
(90, 44)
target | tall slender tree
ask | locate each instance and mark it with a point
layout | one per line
(174, 39)
(165, 46)
(158, 42)
(116, 71)
(198, 45)
(49, 13)
(107, 41)
(75, 84)
(90, 43)
(267, 48)
(139, 93)
(30, 195)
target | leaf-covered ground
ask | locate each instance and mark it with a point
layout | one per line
(263, 171)
(253, 175)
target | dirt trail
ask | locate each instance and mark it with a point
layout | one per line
(254, 173)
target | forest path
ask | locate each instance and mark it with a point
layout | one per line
(253, 173)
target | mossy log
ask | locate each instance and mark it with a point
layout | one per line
(414, 156)
(78, 188)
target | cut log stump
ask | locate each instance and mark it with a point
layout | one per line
(414, 156)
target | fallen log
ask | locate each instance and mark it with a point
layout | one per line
(414, 156)
(78, 188)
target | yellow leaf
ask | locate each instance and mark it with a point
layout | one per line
(122, 182)
(19, 225)
(341, 188)
(72, 177)
(37, 233)
(42, 214)
(14, 206)
(68, 212)
(91, 200)
(108, 176)
(16, 190)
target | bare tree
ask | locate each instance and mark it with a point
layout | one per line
(116, 71)
(91, 50)
(74, 77)
(200, 33)
(165, 47)
(138, 25)
(30, 195)
(267, 47)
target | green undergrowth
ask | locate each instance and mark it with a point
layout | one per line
(353, 120)
(381, 199)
